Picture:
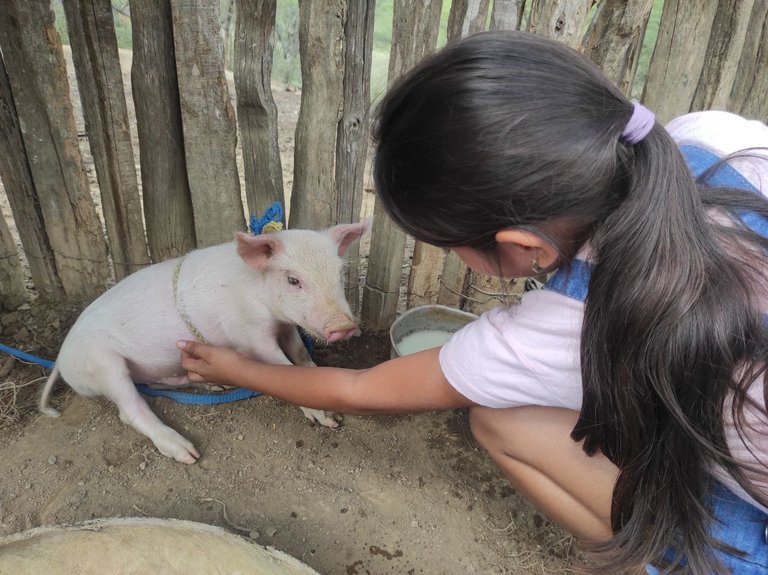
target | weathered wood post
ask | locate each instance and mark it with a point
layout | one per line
(414, 35)
(321, 44)
(12, 289)
(455, 278)
(678, 58)
(100, 84)
(721, 60)
(17, 180)
(506, 14)
(354, 130)
(561, 20)
(256, 109)
(167, 202)
(426, 280)
(208, 119)
(614, 40)
(38, 79)
(467, 17)
(750, 86)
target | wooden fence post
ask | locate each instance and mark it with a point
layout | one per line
(353, 130)
(321, 44)
(12, 290)
(414, 35)
(165, 188)
(678, 58)
(725, 45)
(506, 14)
(208, 120)
(613, 42)
(561, 20)
(467, 17)
(17, 179)
(427, 266)
(100, 85)
(256, 109)
(38, 78)
(455, 280)
(751, 82)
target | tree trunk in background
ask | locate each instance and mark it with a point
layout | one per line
(561, 20)
(467, 17)
(414, 35)
(748, 94)
(208, 120)
(354, 131)
(506, 14)
(321, 43)
(256, 109)
(38, 78)
(100, 84)
(22, 196)
(678, 58)
(165, 188)
(614, 40)
(721, 60)
(12, 290)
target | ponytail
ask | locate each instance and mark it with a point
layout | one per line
(671, 319)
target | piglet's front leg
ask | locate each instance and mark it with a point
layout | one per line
(293, 347)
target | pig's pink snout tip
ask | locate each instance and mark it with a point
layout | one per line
(341, 334)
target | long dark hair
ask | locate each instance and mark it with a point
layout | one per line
(511, 129)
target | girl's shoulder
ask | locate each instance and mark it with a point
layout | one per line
(721, 131)
(723, 134)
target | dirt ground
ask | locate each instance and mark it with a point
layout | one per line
(407, 494)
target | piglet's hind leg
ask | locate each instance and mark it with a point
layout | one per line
(118, 387)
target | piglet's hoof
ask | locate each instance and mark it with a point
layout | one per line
(324, 418)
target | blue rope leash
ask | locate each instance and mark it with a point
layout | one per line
(46, 363)
(178, 396)
(274, 215)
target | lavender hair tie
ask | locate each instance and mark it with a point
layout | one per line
(640, 123)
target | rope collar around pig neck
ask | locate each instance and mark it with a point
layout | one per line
(187, 321)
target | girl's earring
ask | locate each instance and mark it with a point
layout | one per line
(535, 267)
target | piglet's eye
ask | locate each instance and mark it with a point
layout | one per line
(293, 281)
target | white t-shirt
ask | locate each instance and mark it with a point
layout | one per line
(529, 354)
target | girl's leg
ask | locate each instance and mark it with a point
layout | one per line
(532, 446)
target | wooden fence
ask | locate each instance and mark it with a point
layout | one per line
(709, 54)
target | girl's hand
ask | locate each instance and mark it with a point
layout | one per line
(209, 364)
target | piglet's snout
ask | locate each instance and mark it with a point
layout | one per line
(340, 330)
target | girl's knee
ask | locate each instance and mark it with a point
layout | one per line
(486, 424)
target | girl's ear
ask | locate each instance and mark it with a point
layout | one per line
(344, 234)
(256, 251)
(543, 251)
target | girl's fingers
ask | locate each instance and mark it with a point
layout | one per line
(193, 348)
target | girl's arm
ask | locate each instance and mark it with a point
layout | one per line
(406, 384)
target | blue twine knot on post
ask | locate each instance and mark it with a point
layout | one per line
(271, 221)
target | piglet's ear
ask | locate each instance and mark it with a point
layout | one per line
(345, 234)
(256, 251)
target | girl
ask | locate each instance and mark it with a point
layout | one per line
(627, 399)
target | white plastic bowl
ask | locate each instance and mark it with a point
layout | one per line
(426, 322)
